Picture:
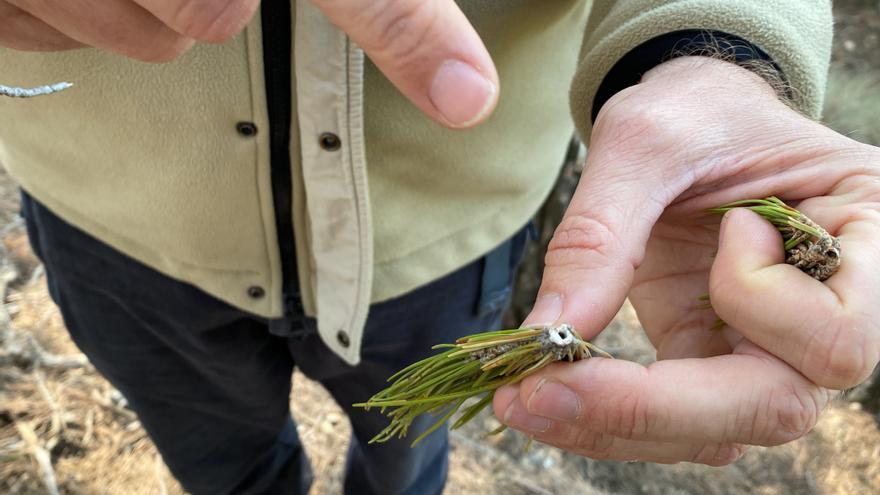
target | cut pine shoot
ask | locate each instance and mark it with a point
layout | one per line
(807, 245)
(474, 365)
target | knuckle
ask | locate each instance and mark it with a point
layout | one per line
(842, 355)
(398, 29)
(19, 33)
(633, 418)
(577, 235)
(212, 21)
(593, 444)
(794, 412)
(635, 124)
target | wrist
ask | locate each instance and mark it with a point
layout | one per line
(693, 94)
(696, 115)
(683, 43)
(695, 72)
(685, 91)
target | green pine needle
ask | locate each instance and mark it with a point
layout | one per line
(794, 226)
(474, 365)
(807, 245)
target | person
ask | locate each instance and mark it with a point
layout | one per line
(268, 199)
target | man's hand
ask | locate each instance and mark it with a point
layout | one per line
(697, 133)
(149, 30)
(427, 48)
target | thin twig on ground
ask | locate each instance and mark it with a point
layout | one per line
(40, 455)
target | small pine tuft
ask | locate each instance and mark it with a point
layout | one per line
(474, 365)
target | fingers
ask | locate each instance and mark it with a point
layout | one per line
(856, 282)
(745, 398)
(22, 31)
(118, 25)
(428, 49)
(826, 331)
(205, 20)
(587, 272)
(603, 446)
(149, 30)
(592, 257)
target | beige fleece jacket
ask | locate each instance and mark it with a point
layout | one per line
(147, 157)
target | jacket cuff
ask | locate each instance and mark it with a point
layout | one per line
(795, 34)
(629, 70)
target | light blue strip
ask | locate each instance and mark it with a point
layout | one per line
(31, 92)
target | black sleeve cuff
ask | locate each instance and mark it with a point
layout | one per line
(629, 69)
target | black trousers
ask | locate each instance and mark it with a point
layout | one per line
(212, 385)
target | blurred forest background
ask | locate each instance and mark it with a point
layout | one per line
(63, 429)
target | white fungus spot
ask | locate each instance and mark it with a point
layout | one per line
(561, 335)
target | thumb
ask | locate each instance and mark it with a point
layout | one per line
(428, 50)
(595, 250)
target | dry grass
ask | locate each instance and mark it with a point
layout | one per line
(61, 410)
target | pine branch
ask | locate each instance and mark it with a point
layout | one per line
(473, 366)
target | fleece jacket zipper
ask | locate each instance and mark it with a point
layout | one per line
(276, 24)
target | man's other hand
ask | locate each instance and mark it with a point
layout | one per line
(148, 30)
(697, 133)
(427, 48)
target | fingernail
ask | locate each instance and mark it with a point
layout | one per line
(554, 400)
(547, 309)
(517, 417)
(461, 93)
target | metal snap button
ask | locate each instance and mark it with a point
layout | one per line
(342, 338)
(246, 129)
(330, 141)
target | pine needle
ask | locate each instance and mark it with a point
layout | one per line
(807, 245)
(474, 365)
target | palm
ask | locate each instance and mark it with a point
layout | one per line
(667, 285)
